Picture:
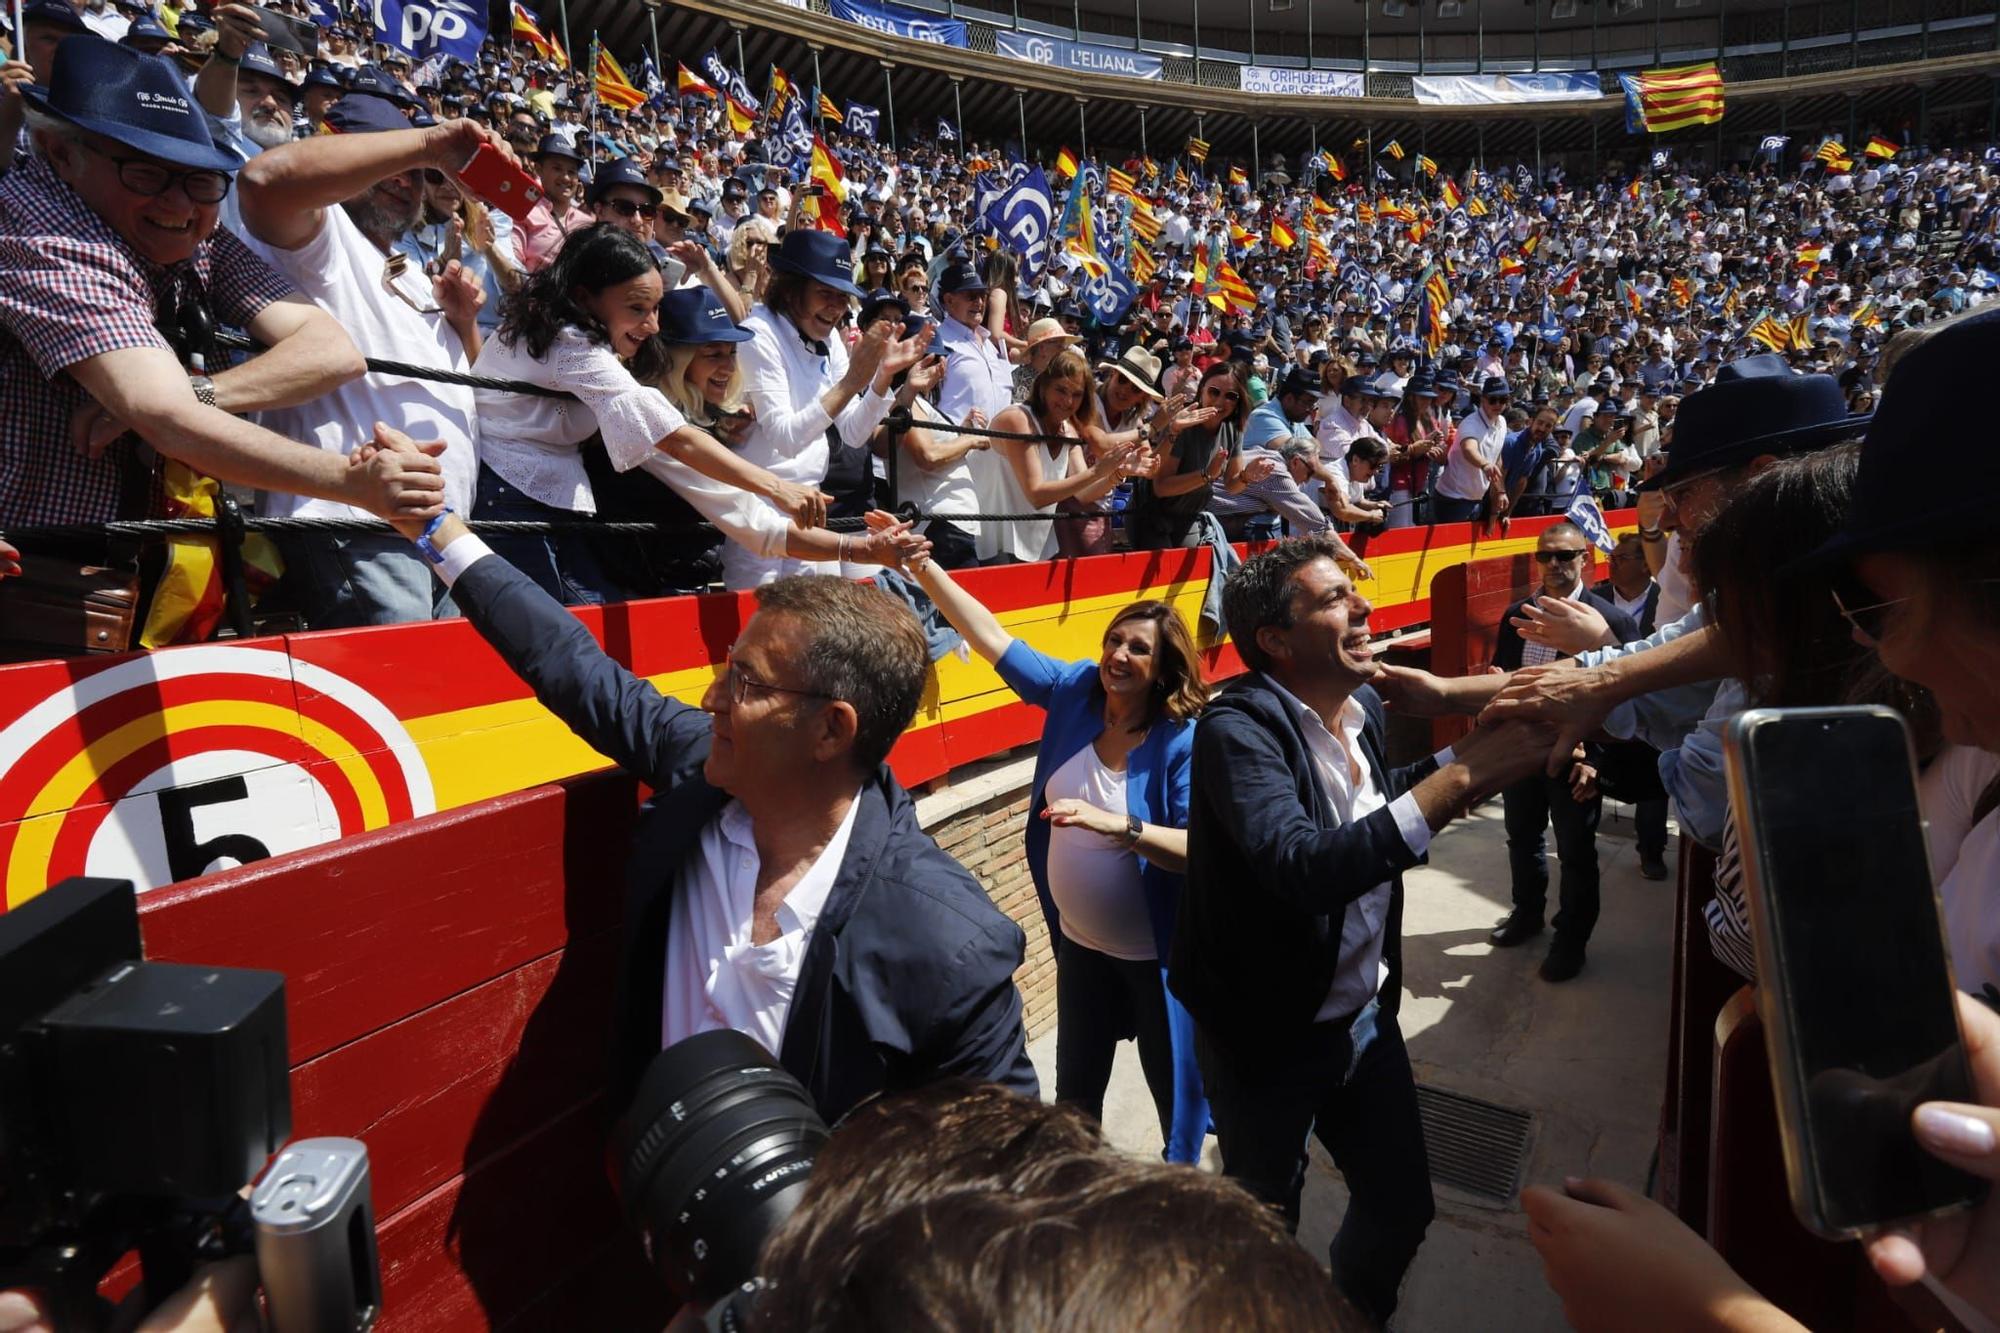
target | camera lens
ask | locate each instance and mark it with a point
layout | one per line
(710, 1157)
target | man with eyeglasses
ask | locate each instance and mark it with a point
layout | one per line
(108, 233)
(779, 883)
(328, 213)
(1570, 802)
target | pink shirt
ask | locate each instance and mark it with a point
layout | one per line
(542, 234)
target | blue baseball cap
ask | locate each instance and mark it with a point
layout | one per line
(365, 113)
(695, 315)
(55, 13)
(620, 171)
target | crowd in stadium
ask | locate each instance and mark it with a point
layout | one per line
(706, 319)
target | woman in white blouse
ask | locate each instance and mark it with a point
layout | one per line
(586, 324)
(812, 400)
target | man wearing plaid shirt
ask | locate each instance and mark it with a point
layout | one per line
(109, 230)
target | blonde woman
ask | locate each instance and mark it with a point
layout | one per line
(750, 257)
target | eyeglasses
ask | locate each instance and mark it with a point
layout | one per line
(392, 271)
(1226, 395)
(739, 684)
(1867, 621)
(1543, 557)
(144, 177)
(625, 208)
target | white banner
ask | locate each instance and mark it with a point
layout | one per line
(1305, 82)
(1494, 89)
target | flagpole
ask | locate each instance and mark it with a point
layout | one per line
(568, 47)
(590, 118)
(958, 107)
(889, 88)
(653, 18)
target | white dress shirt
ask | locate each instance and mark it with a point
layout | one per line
(783, 379)
(716, 978)
(977, 378)
(1352, 795)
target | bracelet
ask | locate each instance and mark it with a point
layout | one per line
(844, 540)
(1647, 534)
(424, 542)
(219, 54)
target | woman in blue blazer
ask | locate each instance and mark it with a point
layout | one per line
(1107, 842)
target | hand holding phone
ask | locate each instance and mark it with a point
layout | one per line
(1854, 978)
(500, 182)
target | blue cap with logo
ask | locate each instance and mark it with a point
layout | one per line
(131, 98)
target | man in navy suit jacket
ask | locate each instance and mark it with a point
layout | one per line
(1288, 950)
(778, 883)
(1538, 801)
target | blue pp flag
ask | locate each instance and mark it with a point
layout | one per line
(427, 28)
(1111, 295)
(1583, 512)
(865, 121)
(323, 13)
(1022, 216)
(946, 134)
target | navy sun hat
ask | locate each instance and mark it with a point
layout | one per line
(694, 315)
(557, 145)
(876, 301)
(376, 83)
(146, 28)
(365, 113)
(131, 98)
(1495, 387)
(620, 171)
(1757, 405)
(1888, 513)
(56, 13)
(1297, 380)
(257, 60)
(961, 275)
(819, 256)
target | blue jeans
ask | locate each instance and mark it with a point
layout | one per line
(342, 581)
(1444, 509)
(564, 565)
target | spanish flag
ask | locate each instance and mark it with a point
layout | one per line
(613, 88)
(690, 84)
(1532, 244)
(1510, 265)
(828, 111)
(1634, 190)
(1450, 194)
(825, 171)
(527, 30)
(1418, 230)
(1394, 149)
(1066, 164)
(1237, 177)
(1283, 236)
(1880, 147)
(1334, 166)
(741, 117)
(1322, 209)
(1198, 149)
(779, 90)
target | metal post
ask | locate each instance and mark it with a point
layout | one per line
(1197, 54)
(653, 20)
(816, 80)
(1253, 31)
(1076, 17)
(1593, 147)
(563, 6)
(1082, 132)
(1854, 37)
(1256, 156)
(1594, 9)
(1143, 150)
(1538, 58)
(889, 95)
(1923, 114)
(1366, 10)
(958, 108)
(1420, 39)
(742, 62)
(1479, 46)
(1658, 9)
(1785, 41)
(1538, 152)
(1309, 34)
(1138, 13)
(1021, 110)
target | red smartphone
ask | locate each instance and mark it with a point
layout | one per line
(500, 183)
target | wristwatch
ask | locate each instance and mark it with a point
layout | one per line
(1134, 826)
(204, 389)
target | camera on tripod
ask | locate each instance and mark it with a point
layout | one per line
(136, 1100)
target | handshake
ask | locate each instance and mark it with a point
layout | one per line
(395, 478)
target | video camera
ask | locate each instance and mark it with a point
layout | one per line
(136, 1100)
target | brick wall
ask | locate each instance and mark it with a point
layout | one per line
(986, 837)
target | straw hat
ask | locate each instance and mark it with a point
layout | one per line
(1048, 330)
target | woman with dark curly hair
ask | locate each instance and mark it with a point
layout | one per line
(587, 324)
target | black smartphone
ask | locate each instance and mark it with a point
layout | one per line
(1854, 976)
(285, 33)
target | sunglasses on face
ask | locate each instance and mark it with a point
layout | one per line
(1226, 395)
(1544, 557)
(625, 208)
(1867, 621)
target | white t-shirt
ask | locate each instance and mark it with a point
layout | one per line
(341, 272)
(1965, 859)
(1094, 879)
(1463, 479)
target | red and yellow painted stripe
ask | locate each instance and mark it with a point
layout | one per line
(108, 766)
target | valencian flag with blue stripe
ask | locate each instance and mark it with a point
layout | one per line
(1659, 100)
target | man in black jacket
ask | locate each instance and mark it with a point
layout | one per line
(778, 883)
(1287, 951)
(1571, 802)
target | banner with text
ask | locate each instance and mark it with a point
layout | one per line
(1305, 82)
(899, 22)
(1496, 89)
(1082, 57)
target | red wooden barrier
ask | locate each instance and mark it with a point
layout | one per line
(448, 990)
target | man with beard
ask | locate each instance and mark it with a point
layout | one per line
(327, 213)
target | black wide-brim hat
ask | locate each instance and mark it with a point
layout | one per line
(1890, 512)
(1756, 405)
(131, 98)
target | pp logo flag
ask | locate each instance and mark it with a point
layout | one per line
(1023, 216)
(865, 121)
(1589, 519)
(434, 28)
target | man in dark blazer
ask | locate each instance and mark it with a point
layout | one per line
(1571, 802)
(1287, 951)
(778, 883)
(1631, 769)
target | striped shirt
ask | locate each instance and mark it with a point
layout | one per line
(71, 289)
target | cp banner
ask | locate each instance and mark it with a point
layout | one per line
(1497, 89)
(1305, 82)
(898, 22)
(1083, 57)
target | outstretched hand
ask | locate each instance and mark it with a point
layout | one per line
(393, 476)
(1559, 694)
(1564, 624)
